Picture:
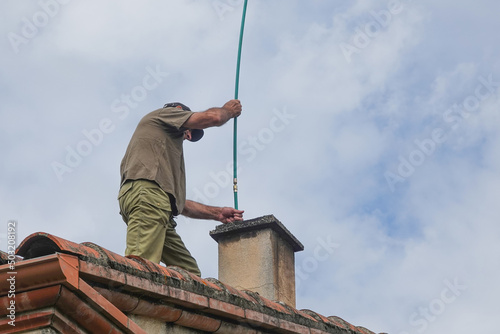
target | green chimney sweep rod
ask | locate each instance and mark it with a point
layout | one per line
(235, 128)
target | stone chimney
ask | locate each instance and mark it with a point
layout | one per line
(258, 255)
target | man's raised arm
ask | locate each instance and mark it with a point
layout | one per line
(214, 116)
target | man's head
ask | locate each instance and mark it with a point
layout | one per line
(190, 134)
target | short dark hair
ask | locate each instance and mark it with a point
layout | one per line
(175, 105)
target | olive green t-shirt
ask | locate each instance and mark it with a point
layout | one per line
(155, 153)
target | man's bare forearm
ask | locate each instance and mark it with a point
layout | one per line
(209, 118)
(225, 215)
(218, 116)
(201, 211)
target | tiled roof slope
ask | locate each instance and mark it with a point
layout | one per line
(56, 276)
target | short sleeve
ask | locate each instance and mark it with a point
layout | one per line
(174, 117)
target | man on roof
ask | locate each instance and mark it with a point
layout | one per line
(153, 182)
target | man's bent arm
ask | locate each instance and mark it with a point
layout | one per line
(214, 116)
(201, 211)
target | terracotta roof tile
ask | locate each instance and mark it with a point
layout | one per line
(226, 309)
(133, 284)
(211, 285)
(293, 327)
(155, 268)
(342, 323)
(37, 298)
(268, 303)
(136, 305)
(112, 278)
(186, 298)
(261, 319)
(112, 259)
(4, 258)
(40, 244)
(364, 330)
(232, 291)
(141, 284)
(316, 316)
(37, 319)
(160, 311)
(198, 321)
(304, 314)
(123, 301)
(68, 310)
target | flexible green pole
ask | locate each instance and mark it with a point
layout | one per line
(235, 128)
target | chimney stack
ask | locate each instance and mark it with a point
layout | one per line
(258, 255)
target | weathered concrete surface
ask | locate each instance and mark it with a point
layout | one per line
(269, 221)
(258, 255)
(43, 331)
(150, 325)
(156, 326)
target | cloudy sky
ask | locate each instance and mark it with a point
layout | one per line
(369, 129)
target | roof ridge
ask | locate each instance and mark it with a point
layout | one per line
(41, 243)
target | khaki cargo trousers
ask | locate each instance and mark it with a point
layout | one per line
(151, 234)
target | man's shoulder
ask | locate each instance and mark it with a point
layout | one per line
(169, 113)
(167, 119)
(173, 116)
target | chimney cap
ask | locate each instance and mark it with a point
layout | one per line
(225, 230)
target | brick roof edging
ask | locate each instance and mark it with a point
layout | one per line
(172, 281)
